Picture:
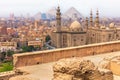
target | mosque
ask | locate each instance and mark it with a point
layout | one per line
(77, 34)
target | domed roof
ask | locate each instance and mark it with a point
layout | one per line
(75, 25)
(111, 25)
(2, 19)
(102, 27)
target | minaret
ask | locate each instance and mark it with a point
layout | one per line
(36, 24)
(58, 19)
(58, 22)
(97, 19)
(86, 23)
(91, 19)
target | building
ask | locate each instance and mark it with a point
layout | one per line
(83, 33)
(97, 32)
(4, 46)
(35, 43)
(66, 37)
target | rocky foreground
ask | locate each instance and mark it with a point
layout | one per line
(79, 69)
(71, 69)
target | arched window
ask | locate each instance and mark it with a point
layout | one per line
(65, 40)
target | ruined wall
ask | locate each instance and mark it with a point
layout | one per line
(33, 58)
(6, 75)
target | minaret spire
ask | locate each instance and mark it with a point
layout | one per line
(36, 24)
(86, 24)
(91, 18)
(58, 22)
(97, 18)
(58, 19)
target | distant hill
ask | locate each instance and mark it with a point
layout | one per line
(51, 14)
(73, 14)
(37, 16)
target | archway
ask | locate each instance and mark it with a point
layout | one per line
(48, 38)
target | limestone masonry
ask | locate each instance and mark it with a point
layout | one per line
(79, 69)
(47, 56)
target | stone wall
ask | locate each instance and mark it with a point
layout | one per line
(6, 75)
(33, 58)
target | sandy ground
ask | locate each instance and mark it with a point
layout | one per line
(45, 71)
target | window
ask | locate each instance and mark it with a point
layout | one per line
(109, 36)
(74, 39)
(75, 43)
(81, 39)
(65, 40)
(117, 35)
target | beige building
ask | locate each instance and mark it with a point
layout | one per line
(81, 34)
(35, 43)
(4, 46)
(68, 36)
(97, 32)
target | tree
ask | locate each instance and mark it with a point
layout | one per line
(10, 53)
(30, 48)
(2, 56)
(47, 38)
(27, 48)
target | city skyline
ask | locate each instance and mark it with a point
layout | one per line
(106, 8)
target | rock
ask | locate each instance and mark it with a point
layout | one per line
(71, 66)
(78, 79)
(79, 69)
(105, 64)
(62, 76)
(106, 74)
(93, 75)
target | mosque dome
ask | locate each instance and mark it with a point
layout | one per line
(2, 19)
(102, 27)
(111, 25)
(75, 25)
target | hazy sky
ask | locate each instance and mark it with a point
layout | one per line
(18, 7)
